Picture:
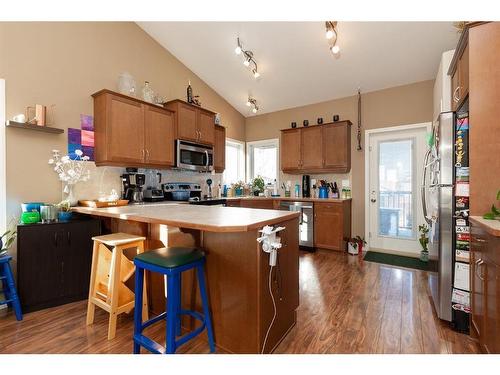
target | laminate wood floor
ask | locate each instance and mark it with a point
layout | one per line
(346, 306)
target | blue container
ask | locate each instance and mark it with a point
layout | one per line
(323, 192)
(64, 216)
(31, 206)
(239, 191)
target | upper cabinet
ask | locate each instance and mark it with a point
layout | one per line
(193, 123)
(459, 72)
(220, 149)
(316, 149)
(130, 132)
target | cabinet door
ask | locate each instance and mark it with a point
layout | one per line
(491, 340)
(290, 150)
(312, 148)
(206, 127)
(337, 147)
(160, 137)
(186, 126)
(77, 257)
(39, 265)
(328, 226)
(478, 241)
(125, 131)
(455, 94)
(463, 67)
(220, 149)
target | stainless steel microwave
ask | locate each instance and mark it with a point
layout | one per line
(194, 156)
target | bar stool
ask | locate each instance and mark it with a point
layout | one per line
(8, 287)
(171, 262)
(110, 270)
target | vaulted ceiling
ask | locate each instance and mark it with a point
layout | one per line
(294, 61)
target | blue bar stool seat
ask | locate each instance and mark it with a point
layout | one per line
(171, 262)
(8, 287)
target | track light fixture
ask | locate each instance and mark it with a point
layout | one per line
(252, 102)
(332, 36)
(248, 58)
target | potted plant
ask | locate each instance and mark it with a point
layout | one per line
(238, 188)
(64, 213)
(494, 214)
(6, 241)
(258, 185)
(353, 246)
(424, 241)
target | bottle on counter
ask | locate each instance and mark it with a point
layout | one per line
(335, 191)
(297, 191)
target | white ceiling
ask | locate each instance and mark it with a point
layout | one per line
(295, 63)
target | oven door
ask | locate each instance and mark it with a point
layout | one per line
(194, 157)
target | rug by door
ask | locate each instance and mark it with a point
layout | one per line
(401, 261)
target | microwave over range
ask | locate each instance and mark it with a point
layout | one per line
(194, 156)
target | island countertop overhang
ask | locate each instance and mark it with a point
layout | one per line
(204, 218)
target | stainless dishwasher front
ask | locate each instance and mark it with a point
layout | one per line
(306, 221)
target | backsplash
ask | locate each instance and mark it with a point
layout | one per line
(104, 179)
(329, 177)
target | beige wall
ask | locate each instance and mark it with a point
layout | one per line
(401, 105)
(63, 64)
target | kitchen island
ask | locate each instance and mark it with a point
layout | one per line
(237, 269)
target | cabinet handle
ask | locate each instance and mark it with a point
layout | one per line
(479, 263)
(456, 98)
(55, 238)
(143, 153)
(147, 154)
(69, 238)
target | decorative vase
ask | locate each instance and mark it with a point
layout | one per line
(64, 215)
(424, 256)
(239, 191)
(320, 120)
(70, 197)
(305, 122)
(294, 125)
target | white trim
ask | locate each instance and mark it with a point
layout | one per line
(276, 142)
(3, 157)
(369, 132)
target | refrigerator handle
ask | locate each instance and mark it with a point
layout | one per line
(424, 177)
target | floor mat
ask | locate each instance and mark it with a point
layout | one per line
(401, 261)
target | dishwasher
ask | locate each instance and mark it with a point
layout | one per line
(306, 221)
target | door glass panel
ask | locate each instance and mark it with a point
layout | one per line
(395, 201)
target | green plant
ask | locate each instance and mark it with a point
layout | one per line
(258, 184)
(360, 240)
(6, 240)
(238, 184)
(494, 214)
(424, 238)
(64, 206)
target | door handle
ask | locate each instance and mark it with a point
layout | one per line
(373, 200)
(422, 189)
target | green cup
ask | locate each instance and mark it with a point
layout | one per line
(30, 217)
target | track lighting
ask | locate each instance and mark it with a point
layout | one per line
(248, 58)
(332, 36)
(252, 102)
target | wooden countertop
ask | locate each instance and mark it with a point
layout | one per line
(318, 200)
(206, 218)
(491, 226)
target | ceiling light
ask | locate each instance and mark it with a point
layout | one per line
(252, 102)
(332, 35)
(249, 60)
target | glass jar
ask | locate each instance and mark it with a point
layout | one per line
(148, 94)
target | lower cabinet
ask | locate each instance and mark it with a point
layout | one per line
(258, 203)
(485, 288)
(332, 224)
(53, 262)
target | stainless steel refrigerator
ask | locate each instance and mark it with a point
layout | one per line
(437, 203)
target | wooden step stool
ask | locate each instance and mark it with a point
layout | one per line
(110, 271)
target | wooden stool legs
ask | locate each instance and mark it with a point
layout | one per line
(111, 269)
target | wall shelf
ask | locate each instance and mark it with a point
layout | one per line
(45, 129)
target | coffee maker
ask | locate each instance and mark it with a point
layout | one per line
(132, 183)
(306, 186)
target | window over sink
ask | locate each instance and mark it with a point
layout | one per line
(262, 160)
